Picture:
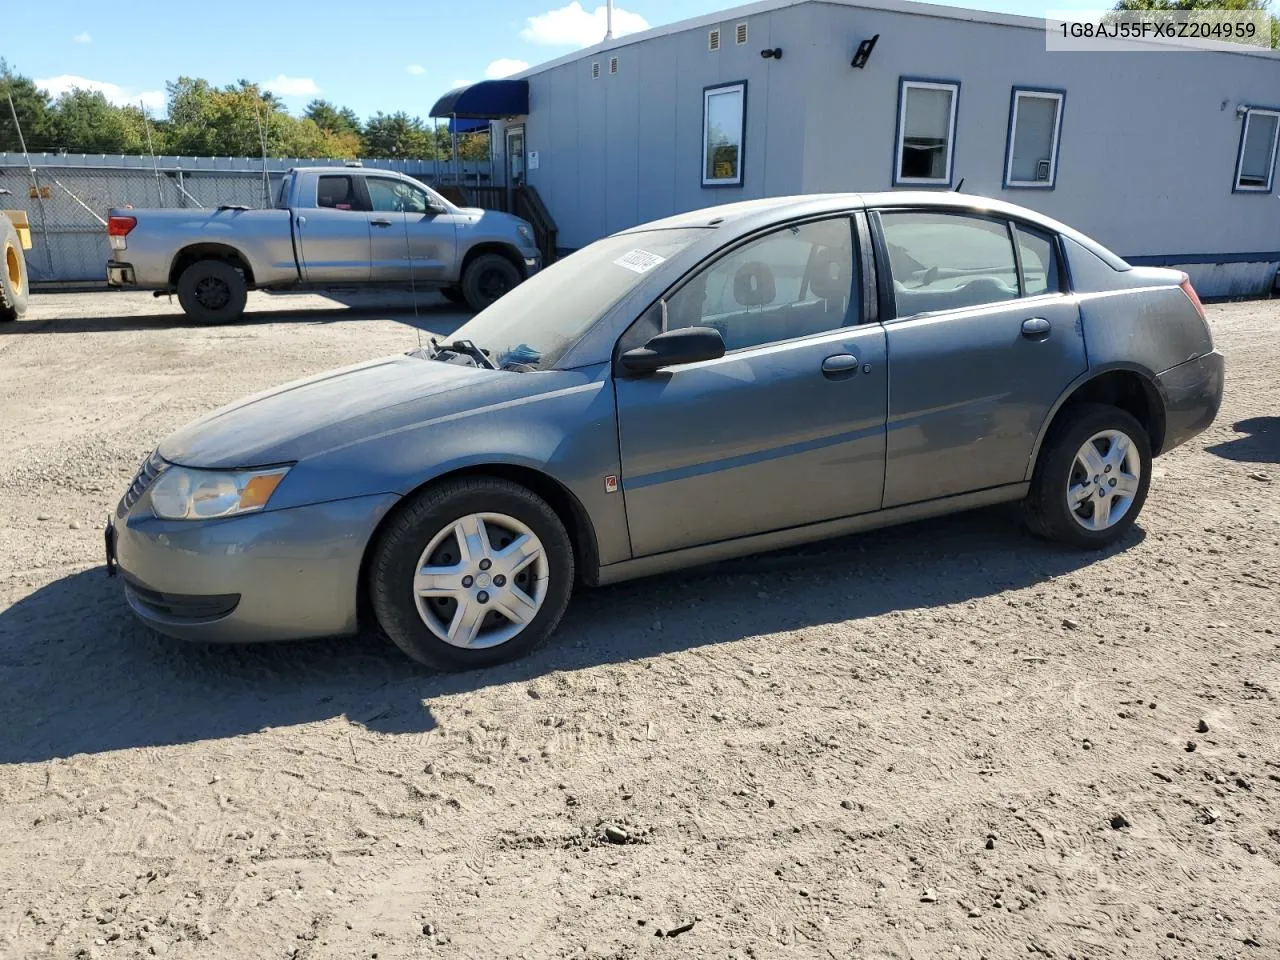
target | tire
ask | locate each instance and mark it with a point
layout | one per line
(14, 282)
(453, 293)
(212, 291)
(423, 533)
(488, 277)
(1061, 504)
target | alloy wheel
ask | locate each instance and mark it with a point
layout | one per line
(481, 580)
(1104, 480)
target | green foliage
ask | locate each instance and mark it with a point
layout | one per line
(1192, 5)
(33, 108)
(237, 120)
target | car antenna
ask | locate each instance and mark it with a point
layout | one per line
(959, 185)
(413, 281)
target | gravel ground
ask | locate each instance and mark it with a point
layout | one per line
(944, 740)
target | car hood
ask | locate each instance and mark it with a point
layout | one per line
(312, 416)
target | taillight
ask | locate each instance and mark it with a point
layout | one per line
(1194, 297)
(120, 226)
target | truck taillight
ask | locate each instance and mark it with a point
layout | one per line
(120, 226)
(1194, 297)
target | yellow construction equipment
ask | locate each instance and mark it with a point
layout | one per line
(15, 236)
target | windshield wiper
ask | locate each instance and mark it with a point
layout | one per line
(467, 349)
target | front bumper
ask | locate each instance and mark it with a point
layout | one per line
(1192, 393)
(278, 575)
(120, 274)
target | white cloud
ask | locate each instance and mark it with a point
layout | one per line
(572, 26)
(83, 37)
(416, 69)
(283, 86)
(57, 86)
(504, 68)
(459, 83)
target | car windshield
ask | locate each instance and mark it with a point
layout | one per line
(541, 318)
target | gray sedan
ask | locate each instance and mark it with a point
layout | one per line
(723, 382)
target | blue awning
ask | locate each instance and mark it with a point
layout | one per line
(486, 100)
(459, 125)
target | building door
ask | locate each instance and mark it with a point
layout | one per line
(515, 157)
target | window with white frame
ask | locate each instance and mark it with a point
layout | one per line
(723, 129)
(1256, 164)
(926, 132)
(1031, 155)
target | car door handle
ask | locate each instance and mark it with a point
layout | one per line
(839, 365)
(301, 221)
(381, 223)
(1036, 328)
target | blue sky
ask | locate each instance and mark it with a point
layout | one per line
(384, 55)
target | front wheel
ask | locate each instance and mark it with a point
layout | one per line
(1091, 479)
(14, 285)
(453, 293)
(488, 277)
(211, 291)
(471, 573)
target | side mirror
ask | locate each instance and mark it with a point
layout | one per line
(675, 347)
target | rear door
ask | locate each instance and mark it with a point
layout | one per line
(982, 341)
(333, 235)
(787, 428)
(412, 239)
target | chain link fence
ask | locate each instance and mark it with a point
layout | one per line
(67, 198)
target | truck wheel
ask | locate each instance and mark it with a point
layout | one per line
(453, 293)
(211, 291)
(13, 273)
(488, 277)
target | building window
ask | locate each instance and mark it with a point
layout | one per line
(1256, 164)
(740, 34)
(1031, 154)
(595, 70)
(723, 129)
(713, 40)
(613, 64)
(926, 132)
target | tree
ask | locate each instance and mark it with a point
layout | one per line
(84, 121)
(332, 119)
(1193, 5)
(32, 107)
(396, 135)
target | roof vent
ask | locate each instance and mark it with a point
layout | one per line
(740, 34)
(713, 40)
(613, 64)
(595, 69)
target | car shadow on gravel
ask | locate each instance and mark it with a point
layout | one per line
(1260, 443)
(80, 675)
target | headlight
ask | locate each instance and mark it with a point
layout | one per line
(524, 231)
(184, 494)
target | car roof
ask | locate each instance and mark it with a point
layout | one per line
(747, 216)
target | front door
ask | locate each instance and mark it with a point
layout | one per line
(333, 236)
(984, 344)
(788, 427)
(411, 238)
(515, 157)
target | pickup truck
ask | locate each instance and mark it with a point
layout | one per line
(331, 227)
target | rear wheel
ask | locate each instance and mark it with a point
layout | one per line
(453, 293)
(488, 277)
(211, 291)
(471, 573)
(1091, 479)
(14, 288)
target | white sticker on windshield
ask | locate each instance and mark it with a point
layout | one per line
(639, 261)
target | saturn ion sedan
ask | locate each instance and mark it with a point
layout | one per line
(733, 380)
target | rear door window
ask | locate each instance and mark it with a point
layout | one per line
(338, 193)
(1039, 257)
(948, 261)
